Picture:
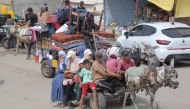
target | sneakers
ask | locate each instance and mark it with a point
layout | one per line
(76, 102)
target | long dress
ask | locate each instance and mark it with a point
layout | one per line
(57, 93)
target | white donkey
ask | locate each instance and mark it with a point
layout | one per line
(150, 80)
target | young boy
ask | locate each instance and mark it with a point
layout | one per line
(77, 87)
(86, 76)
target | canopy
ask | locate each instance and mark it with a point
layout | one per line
(121, 12)
(164, 4)
(182, 8)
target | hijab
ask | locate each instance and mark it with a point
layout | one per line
(64, 64)
(73, 65)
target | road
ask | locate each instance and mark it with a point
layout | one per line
(23, 87)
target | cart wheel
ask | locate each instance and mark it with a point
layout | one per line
(101, 101)
(5, 43)
(47, 70)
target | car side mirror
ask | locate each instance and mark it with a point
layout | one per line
(126, 34)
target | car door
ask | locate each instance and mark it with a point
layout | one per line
(139, 34)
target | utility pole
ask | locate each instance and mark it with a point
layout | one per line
(137, 11)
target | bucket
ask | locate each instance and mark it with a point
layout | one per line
(4, 9)
(11, 12)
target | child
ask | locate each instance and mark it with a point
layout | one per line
(86, 76)
(77, 87)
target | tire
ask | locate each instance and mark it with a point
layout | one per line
(101, 101)
(5, 43)
(47, 70)
(128, 101)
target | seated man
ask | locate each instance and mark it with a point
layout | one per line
(101, 74)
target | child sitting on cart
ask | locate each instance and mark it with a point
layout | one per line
(87, 82)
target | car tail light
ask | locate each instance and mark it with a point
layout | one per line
(163, 42)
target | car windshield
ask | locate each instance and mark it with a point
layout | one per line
(177, 32)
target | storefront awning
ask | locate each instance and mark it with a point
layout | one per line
(164, 4)
(182, 8)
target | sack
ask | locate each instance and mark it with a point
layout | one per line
(68, 75)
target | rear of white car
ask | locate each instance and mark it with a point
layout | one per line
(174, 42)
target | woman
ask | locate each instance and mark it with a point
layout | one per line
(57, 94)
(43, 16)
(73, 66)
(88, 55)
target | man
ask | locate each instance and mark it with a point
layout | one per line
(87, 26)
(81, 5)
(31, 18)
(101, 74)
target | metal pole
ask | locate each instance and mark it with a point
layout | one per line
(137, 10)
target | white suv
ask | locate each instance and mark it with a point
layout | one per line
(173, 40)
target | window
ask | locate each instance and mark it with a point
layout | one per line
(177, 32)
(136, 31)
(148, 30)
(142, 30)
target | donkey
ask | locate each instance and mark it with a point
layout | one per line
(150, 55)
(151, 81)
(17, 33)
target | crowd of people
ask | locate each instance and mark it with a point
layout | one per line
(86, 24)
(93, 69)
(88, 73)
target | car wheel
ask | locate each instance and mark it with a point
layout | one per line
(47, 70)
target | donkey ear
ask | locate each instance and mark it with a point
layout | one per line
(165, 66)
(172, 62)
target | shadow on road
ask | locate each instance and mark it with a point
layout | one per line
(4, 52)
(141, 103)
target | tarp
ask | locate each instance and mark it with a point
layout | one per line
(164, 4)
(182, 8)
(121, 12)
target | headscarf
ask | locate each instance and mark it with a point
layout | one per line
(64, 64)
(62, 53)
(44, 7)
(87, 52)
(74, 65)
(104, 55)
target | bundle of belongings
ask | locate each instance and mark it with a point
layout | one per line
(76, 41)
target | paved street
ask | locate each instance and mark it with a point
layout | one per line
(23, 87)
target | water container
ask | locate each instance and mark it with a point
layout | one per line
(11, 12)
(4, 9)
